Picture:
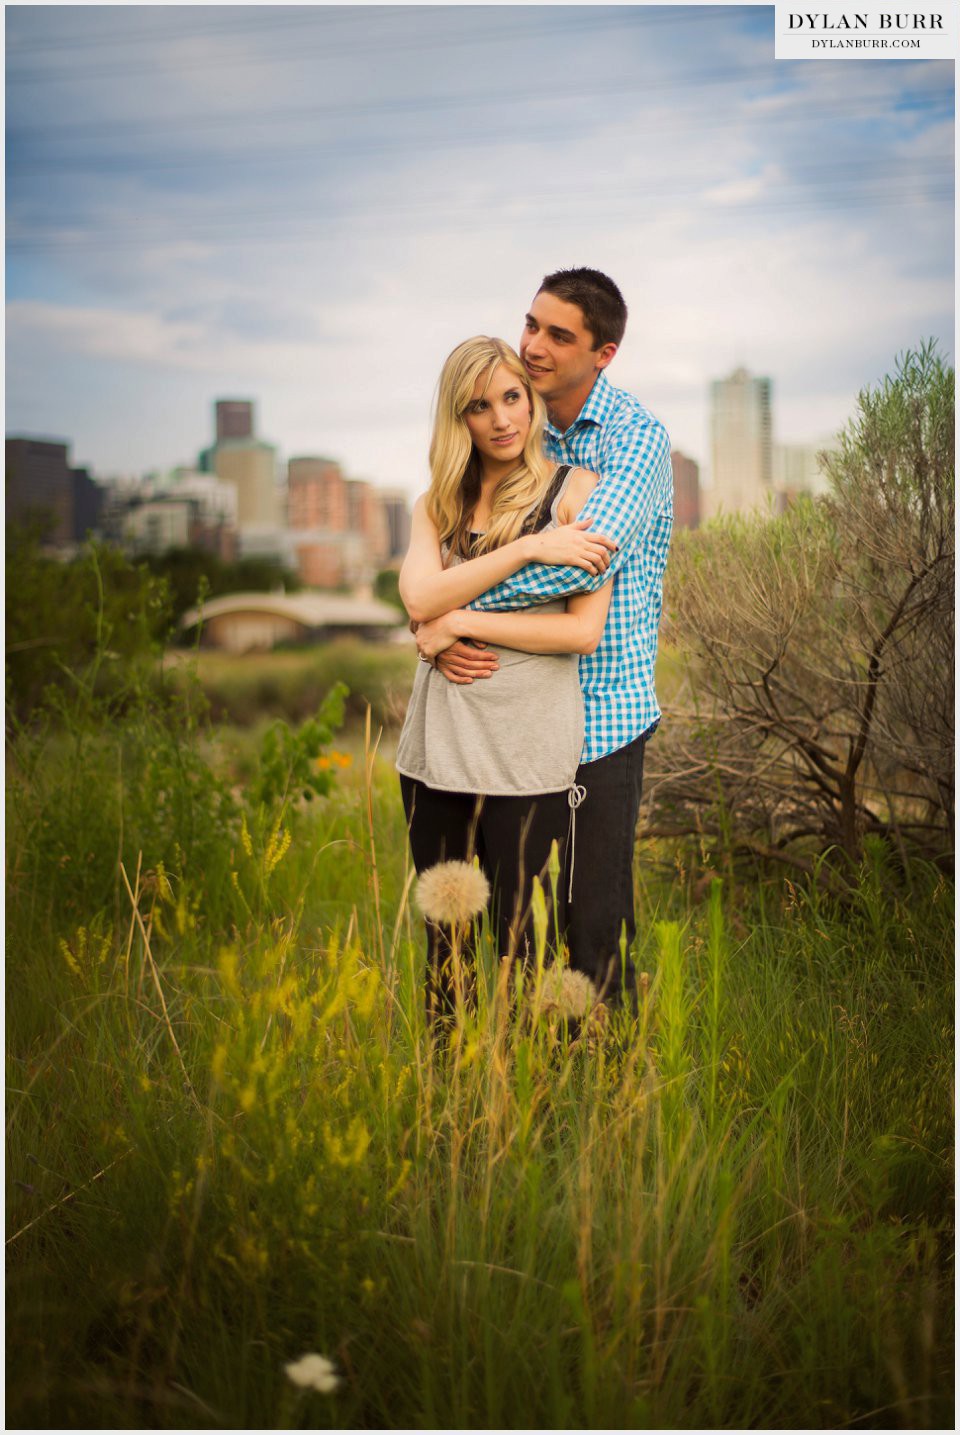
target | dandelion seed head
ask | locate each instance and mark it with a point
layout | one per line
(452, 892)
(567, 992)
(314, 1372)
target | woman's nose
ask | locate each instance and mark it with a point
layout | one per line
(501, 419)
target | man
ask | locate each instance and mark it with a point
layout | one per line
(571, 334)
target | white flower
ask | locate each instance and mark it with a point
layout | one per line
(452, 892)
(567, 992)
(314, 1372)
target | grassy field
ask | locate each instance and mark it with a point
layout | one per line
(231, 1142)
(243, 689)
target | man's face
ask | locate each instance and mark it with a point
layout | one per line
(557, 351)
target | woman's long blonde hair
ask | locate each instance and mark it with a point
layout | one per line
(455, 468)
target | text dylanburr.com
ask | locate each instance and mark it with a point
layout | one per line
(865, 32)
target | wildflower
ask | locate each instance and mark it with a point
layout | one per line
(452, 892)
(164, 890)
(277, 848)
(314, 1372)
(567, 992)
(349, 1149)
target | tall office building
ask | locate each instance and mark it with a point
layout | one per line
(250, 466)
(41, 485)
(238, 458)
(233, 418)
(742, 445)
(686, 490)
(87, 505)
(396, 507)
(316, 494)
(366, 515)
(317, 516)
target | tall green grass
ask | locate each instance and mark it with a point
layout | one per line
(231, 1139)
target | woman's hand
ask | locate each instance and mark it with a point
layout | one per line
(438, 635)
(571, 546)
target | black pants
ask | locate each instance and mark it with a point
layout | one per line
(511, 837)
(602, 904)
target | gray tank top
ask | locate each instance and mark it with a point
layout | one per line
(515, 734)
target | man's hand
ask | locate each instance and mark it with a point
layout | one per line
(462, 662)
(571, 546)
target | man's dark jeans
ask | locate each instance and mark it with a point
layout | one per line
(606, 824)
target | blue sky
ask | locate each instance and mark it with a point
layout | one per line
(311, 206)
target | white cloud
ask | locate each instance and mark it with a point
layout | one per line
(330, 286)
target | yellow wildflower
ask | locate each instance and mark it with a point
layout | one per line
(277, 848)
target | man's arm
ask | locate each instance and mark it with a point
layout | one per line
(635, 475)
(578, 630)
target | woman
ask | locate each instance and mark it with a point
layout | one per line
(488, 769)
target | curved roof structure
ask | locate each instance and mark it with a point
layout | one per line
(312, 609)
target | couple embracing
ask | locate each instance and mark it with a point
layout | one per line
(535, 574)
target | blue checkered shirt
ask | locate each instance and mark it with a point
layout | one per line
(618, 438)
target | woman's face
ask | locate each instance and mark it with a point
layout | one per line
(498, 416)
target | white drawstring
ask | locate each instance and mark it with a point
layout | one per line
(575, 795)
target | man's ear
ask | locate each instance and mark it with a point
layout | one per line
(604, 354)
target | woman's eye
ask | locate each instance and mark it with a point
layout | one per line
(512, 396)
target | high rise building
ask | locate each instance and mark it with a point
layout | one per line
(233, 418)
(250, 465)
(327, 555)
(41, 485)
(742, 445)
(396, 507)
(87, 505)
(366, 515)
(686, 490)
(316, 494)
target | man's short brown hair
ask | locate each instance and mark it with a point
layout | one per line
(604, 310)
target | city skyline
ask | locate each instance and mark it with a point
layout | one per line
(288, 205)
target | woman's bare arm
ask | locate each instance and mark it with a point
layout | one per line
(578, 630)
(428, 589)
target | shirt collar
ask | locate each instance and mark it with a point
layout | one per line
(596, 410)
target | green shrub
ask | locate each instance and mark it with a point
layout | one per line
(95, 624)
(820, 702)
